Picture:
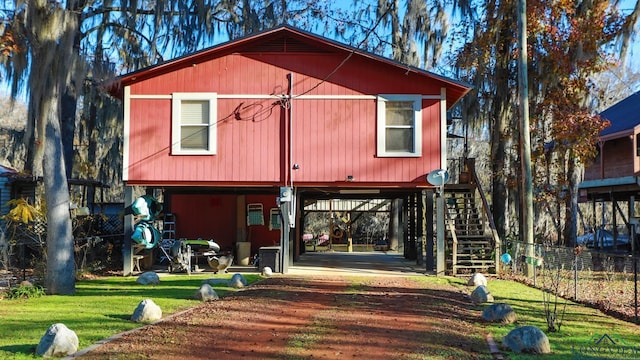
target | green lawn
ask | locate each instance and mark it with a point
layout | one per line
(581, 326)
(99, 309)
(103, 307)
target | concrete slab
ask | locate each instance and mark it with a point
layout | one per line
(378, 263)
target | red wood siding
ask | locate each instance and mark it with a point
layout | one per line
(206, 217)
(619, 157)
(214, 217)
(333, 138)
(260, 235)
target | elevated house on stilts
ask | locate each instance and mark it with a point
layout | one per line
(611, 184)
(242, 139)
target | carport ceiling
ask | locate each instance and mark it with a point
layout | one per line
(367, 205)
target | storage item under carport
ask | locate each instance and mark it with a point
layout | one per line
(270, 256)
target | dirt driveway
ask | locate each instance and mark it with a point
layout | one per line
(316, 316)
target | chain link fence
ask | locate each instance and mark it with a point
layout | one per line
(97, 247)
(605, 280)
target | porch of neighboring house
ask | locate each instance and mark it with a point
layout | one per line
(613, 223)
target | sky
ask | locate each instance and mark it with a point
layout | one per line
(633, 59)
(626, 6)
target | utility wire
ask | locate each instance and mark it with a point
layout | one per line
(390, 6)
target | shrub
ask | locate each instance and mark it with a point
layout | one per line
(25, 292)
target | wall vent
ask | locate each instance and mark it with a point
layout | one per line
(284, 45)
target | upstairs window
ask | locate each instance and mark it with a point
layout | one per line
(399, 126)
(193, 124)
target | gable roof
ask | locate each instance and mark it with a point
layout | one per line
(624, 117)
(280, 39)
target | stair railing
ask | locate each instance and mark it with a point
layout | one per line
(471, 167)
(454, 237)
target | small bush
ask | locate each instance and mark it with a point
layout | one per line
(25, 292)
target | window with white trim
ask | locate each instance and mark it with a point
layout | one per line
(399, 125)
(193, 124)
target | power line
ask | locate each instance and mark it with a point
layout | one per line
(390, 6)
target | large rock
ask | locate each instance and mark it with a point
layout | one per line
(58, 341)
(527, 339)
(206, 293)
(238, 281)
(221, 263)
(148, 278)
(499, 312)
(267, 272)
(477, 279)
(481, 295)
(146, 311)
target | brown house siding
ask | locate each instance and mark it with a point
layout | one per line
(619, 159)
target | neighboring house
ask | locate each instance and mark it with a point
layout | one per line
(227, 132)
(14, 185)
(615, 175)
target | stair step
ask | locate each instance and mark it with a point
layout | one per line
(475, 251)
(464, 259)
(468, 227)
(475, 261)
(470, 234)
(472, 266)
(487, 264)
(472, 238)
(479, 243)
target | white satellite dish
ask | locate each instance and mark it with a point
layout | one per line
(438, 177)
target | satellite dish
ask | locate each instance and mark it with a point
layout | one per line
(438, 177)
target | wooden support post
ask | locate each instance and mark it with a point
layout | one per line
(127, 250)
(429, 261)
(420, 228)
(440, 232)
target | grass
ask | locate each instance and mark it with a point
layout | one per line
(100, 308)
(581, 326)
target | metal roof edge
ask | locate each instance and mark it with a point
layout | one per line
(126, 79)
(625, 180)
(617, 135)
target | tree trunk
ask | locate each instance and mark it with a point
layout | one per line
(68, 128)
(499, 157)
(571, 211)
(500, 113)
(394, 224)
(33, 140)
(60, 277)
(49, 26)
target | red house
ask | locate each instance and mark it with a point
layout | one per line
(227, 131)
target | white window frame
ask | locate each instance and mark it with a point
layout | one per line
(382, 125)
(176, 102)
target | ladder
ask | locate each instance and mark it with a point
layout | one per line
(168, 231)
